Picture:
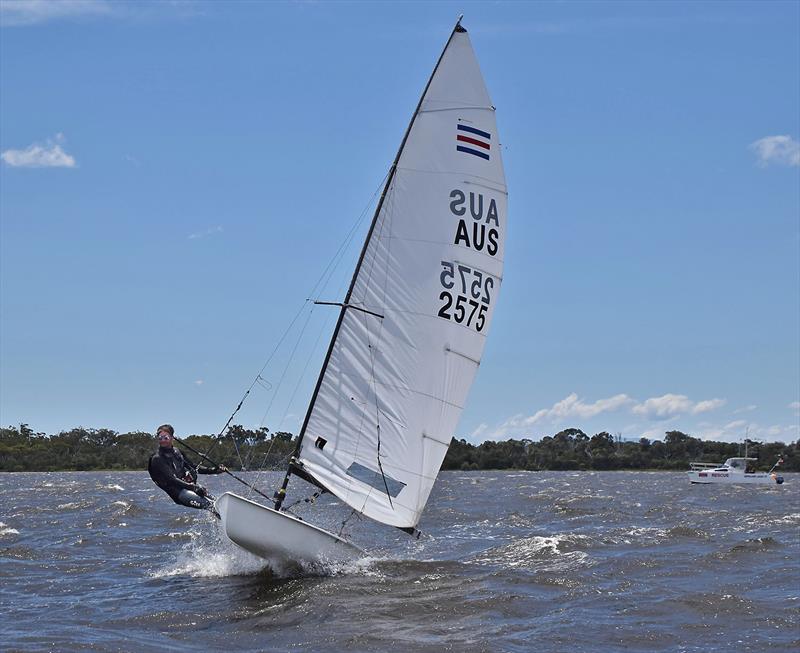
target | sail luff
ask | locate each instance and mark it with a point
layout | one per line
(281, 493)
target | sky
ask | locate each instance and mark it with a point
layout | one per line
(176, 176)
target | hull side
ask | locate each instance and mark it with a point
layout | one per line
(270, 534)
(727, 478)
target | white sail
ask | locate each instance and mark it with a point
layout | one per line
(413, 326)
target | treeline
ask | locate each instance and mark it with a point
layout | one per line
(572, 449)
(81, 449)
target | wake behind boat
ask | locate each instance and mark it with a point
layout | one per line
(411, 329)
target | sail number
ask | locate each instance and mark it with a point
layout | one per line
(467, 294)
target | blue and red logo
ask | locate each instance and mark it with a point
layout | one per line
(473, 141)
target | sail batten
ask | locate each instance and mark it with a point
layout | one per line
(391, 390)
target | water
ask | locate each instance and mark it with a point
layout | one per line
(515, 561)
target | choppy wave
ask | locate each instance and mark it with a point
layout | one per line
(547, 561)
(5, 529)
(18, 552)
(72, 505)
(214, 557)
(754, 545)
(714, 604)
(681, 531)
(554, 553)
(205, 562)
(585, 504)
(128, 508)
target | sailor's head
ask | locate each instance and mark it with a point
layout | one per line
(165, 434)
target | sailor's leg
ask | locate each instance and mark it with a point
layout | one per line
(193, 500)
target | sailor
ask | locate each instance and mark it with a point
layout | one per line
(176, 475)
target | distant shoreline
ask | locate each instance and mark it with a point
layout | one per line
(443, 471)
(82, 449)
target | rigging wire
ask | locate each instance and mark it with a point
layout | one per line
(264, 383)
(310, 499)
(227, 471)
(238, 453)
(353, 513)
(266, 455)
(286, 367)
(312, 352)
(349, 237)
(323, 279)
(258, 376)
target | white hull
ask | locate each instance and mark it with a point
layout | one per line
(732, 478)
(275, 535)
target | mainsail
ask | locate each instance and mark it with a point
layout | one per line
(413, 324)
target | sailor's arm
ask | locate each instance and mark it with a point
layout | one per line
(165, 473)
(220, 469)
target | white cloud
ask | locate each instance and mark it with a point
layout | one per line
(572, 406)
(782, 431)
(49, 155)
(795, 405)
(781, 150)
(22, 13)
(478, 432)
(669, 405)
(199, 382)
(658, 432)
(737, 430)
(707, 405)
(718, 434)
(569, 407)
(745, 409)
(289, 418)
(733, 431)
(664, 412)
(665, 406)
(208, 232)
(32, 12)
(737, 424)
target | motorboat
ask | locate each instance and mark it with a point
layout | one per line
(732, 471)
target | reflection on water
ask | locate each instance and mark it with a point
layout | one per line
(517, 561)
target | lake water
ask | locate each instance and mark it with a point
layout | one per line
(510, 561)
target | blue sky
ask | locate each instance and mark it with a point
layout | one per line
(176, 176)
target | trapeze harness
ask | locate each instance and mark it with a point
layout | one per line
(178, 477)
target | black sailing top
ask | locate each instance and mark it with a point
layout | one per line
(173, 473)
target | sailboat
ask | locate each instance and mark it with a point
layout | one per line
(411, 329)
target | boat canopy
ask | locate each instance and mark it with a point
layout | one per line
(739, 463)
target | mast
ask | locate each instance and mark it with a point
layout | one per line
(292, 468)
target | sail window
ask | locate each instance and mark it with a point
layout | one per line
(320, 443)
(375, 479)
